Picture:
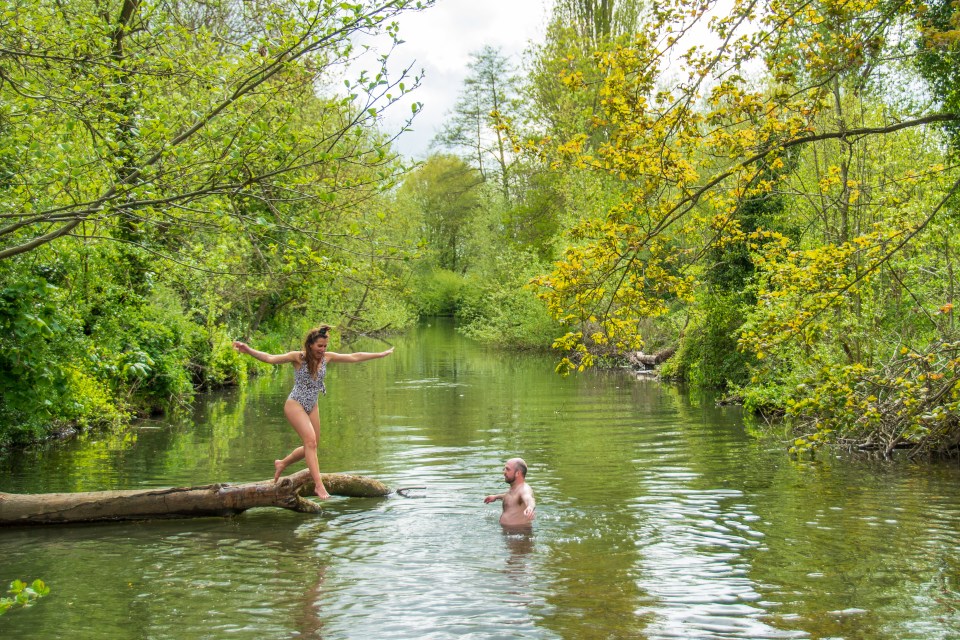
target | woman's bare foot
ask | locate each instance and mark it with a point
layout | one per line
(279, 467)
(321, 492)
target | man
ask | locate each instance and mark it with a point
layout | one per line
(518, 502)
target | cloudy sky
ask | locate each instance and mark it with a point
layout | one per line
(439, 40)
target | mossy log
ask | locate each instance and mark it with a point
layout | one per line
(642, 360)
(180, 502)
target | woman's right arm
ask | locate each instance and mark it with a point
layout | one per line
(269, 358)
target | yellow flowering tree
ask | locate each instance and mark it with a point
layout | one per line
(713, 109)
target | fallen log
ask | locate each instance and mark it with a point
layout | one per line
(180, 502)
(643, 360)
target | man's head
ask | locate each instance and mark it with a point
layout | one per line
(514, 468)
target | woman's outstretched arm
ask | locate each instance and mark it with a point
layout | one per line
(359, 356)
(269, 358)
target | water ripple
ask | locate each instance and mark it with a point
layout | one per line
(658, 517)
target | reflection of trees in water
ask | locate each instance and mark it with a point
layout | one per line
(187, 445)
(850, 548)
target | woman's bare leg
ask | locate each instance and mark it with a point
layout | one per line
(303, 425)
(279, 465)
(297, 454)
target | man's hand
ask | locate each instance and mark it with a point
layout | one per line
(529, 512)
(490, 499)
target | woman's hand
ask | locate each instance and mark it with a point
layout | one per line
(242, 347)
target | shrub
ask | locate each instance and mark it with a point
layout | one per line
(499, 307)
(437, 292)
(708, 355)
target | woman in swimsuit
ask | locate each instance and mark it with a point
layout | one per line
(301, 405)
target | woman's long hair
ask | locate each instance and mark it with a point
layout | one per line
(313, 365)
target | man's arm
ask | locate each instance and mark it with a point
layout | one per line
(530, 505)
(490, 499)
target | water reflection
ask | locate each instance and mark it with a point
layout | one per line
(519, 543)
(692, 564)
(658, 517)
(309, 621)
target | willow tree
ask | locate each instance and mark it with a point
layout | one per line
(708, 111)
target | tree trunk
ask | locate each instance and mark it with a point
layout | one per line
(180, 502)
(649, 360)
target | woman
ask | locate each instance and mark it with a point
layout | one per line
(301, 405)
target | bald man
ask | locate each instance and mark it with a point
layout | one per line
(518, 502)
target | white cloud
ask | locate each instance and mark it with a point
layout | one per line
(440, 39)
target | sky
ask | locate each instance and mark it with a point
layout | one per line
(439, 40)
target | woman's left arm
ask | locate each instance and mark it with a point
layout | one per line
(358, 356)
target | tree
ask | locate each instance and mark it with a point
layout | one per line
(487, 102)
(598, 22)
(176, 174)
(184, 502)
(446, 194)
(671, 148)
(939, 59)
(578, 31)
(789, 101)
(151, 119)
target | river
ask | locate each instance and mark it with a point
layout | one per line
(659, 515)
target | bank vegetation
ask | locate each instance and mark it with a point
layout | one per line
(767, 190)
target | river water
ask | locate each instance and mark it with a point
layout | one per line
(659, 516)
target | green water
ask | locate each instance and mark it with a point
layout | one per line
(659, 516)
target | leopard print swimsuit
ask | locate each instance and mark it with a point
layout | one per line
(307, 389)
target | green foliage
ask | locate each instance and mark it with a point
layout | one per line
(598, 22)
(161, 119)
(533, 224)
(488, 101)
(763, 398)
(33, 340)
(225, 366)
(504, 310)
(385, 311)
(89, 401)
(799, 249)
(939, 57)
(578, 31)
(445, 194)
(22, 595)
(709, 354)
(478, 254)
(782, 196)
(142, 349)
(912, 400)
(175, 181)
(438, 292)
